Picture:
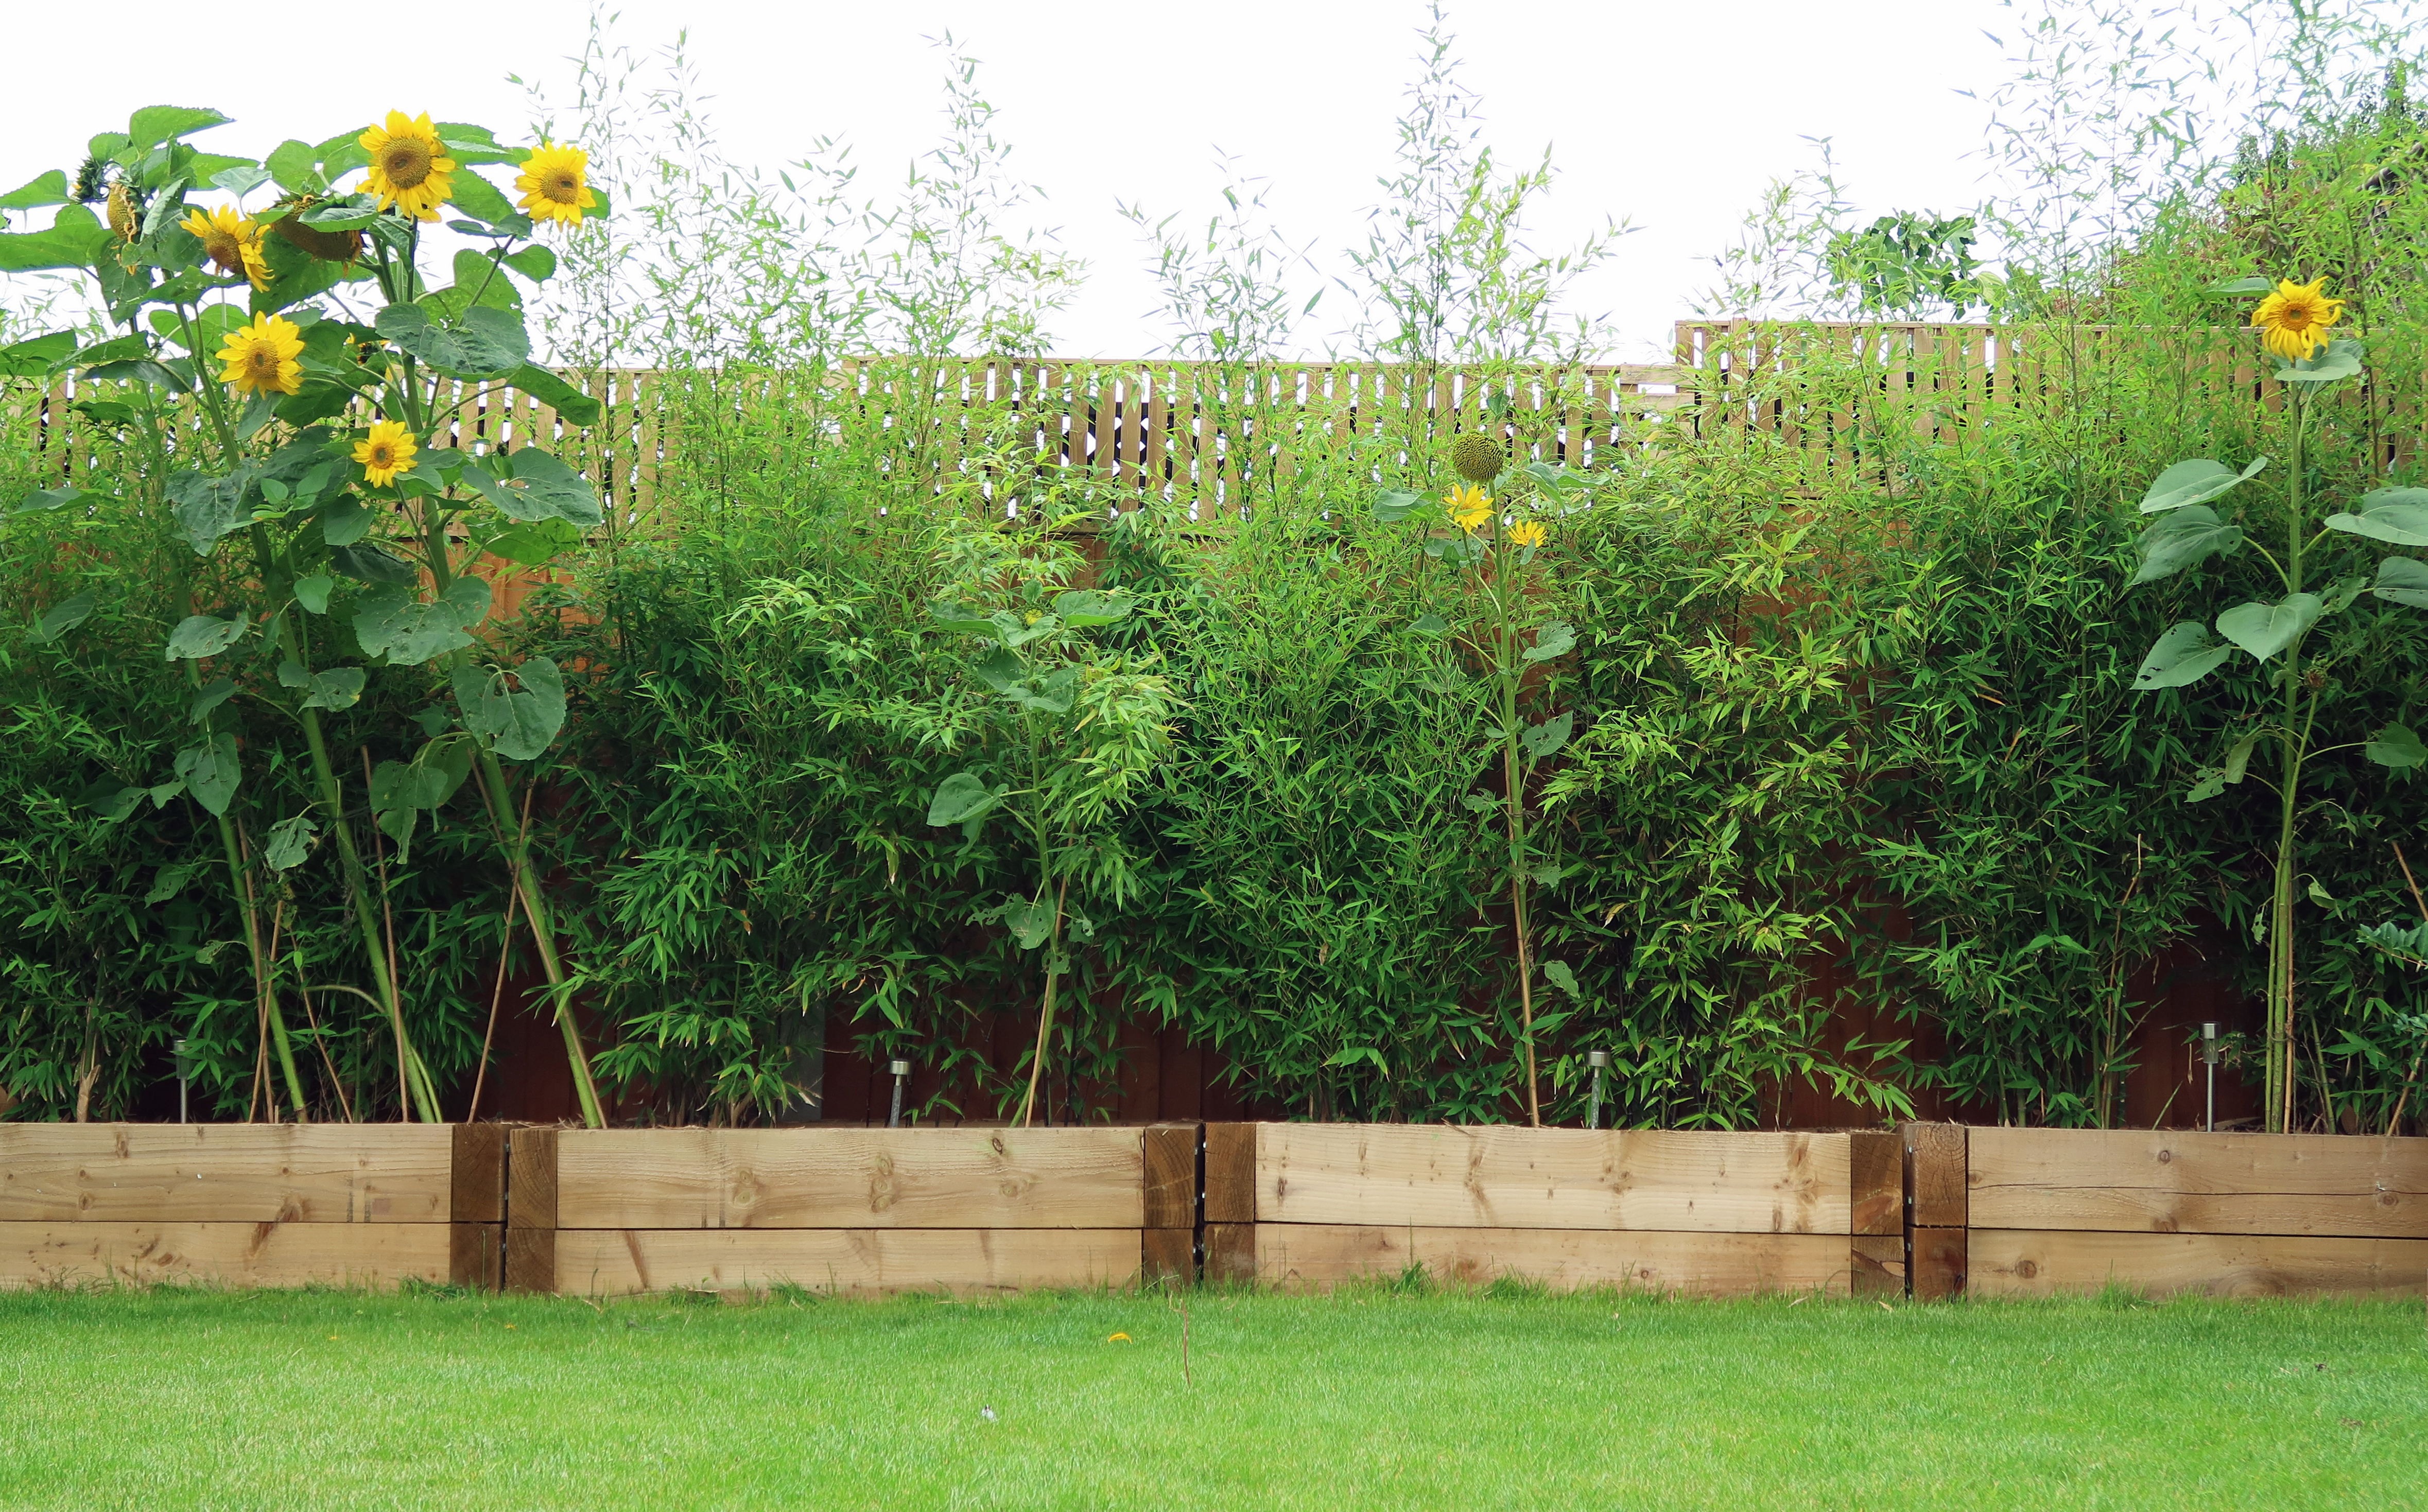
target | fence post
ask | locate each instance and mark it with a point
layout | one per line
(531, 1210)
(1937, 1241)
(1875, 1261)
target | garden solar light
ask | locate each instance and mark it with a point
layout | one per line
(1595, 1059)
(185, 1064)
(901, 1070)
(2208, 1053)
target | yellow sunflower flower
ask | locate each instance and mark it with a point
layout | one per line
(555, 185)
(2293, 320)
(260, 358)
(1469, 508)
(232, 240)
(386, 451)
(409, 166)
(1528, 533)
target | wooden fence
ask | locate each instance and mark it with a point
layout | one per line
(1932, 1212)
(251, 1203)
(1187, 435)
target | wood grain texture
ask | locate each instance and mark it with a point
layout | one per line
(601, 1262)
(477, 1190)
(1702, 1264)
(1937, 1263)
(992, 1178)
(2168, 1182)
(1934, 1175)
(2020, 1263)
(1231, 1173)
(531, 1177)
(224, 1254)
(530, 1259)
(1171, 1155)
(476, 1255)
(1231, 1252)
(1875, 1183)
(225, 1173)
(1170, 1254)
(1876, 1264)
(1501, 1176)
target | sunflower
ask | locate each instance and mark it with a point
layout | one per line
(1527, 533)
(1477, 456)
(555, 185)
(1470, 507)
(232, 240)
(409, 166)
(260, 358)
(126, 212)
(384, 453)
(2293, 320)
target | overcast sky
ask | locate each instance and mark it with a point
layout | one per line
(1672, 116)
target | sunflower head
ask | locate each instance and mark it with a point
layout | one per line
(90, 179)
(231, 241)
(1470, 507)
(260, 356)
(2293, 320)
(409, 169)
(1476, 456)
(329, 246)
(556, 184)
(125, 212)
(384, 453)
(1528, 533)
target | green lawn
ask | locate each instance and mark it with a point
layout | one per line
(1368, 1398)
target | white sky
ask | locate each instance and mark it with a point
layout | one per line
(1672, 116)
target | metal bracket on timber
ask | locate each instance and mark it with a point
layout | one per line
(1938, 1248)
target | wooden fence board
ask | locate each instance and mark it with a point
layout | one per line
(992, 1179)
(1171, 1175)
(2160, 1181)
(1712, 1264)
(1875, 1183)
(1231, 1173)
(1938, 1260)
(1935, 1175)
(1876, 1264)
(245, 1254)
(225, 1173)
(2022, 1263)
(1500, 1176)
(594, 1262)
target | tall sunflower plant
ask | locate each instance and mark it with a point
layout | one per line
(294, 384)
(1496, 541)
(2268, 639)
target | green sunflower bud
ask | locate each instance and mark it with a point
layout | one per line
(1477, 458)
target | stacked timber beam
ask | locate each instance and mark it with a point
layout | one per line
(1932, 1211)
(607, 1211)
(1679, 1210)
(251, 1203)
(2059, 1210)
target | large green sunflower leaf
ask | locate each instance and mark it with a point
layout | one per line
(389, 621)
(2182, 656)
(210, 772)
(50, 189)
(157, 124)
(2396, 516)
(518, 722)
(2265, 629)
(2185, 537)
(2402, 580)
(2196, 482)
(481, 343)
